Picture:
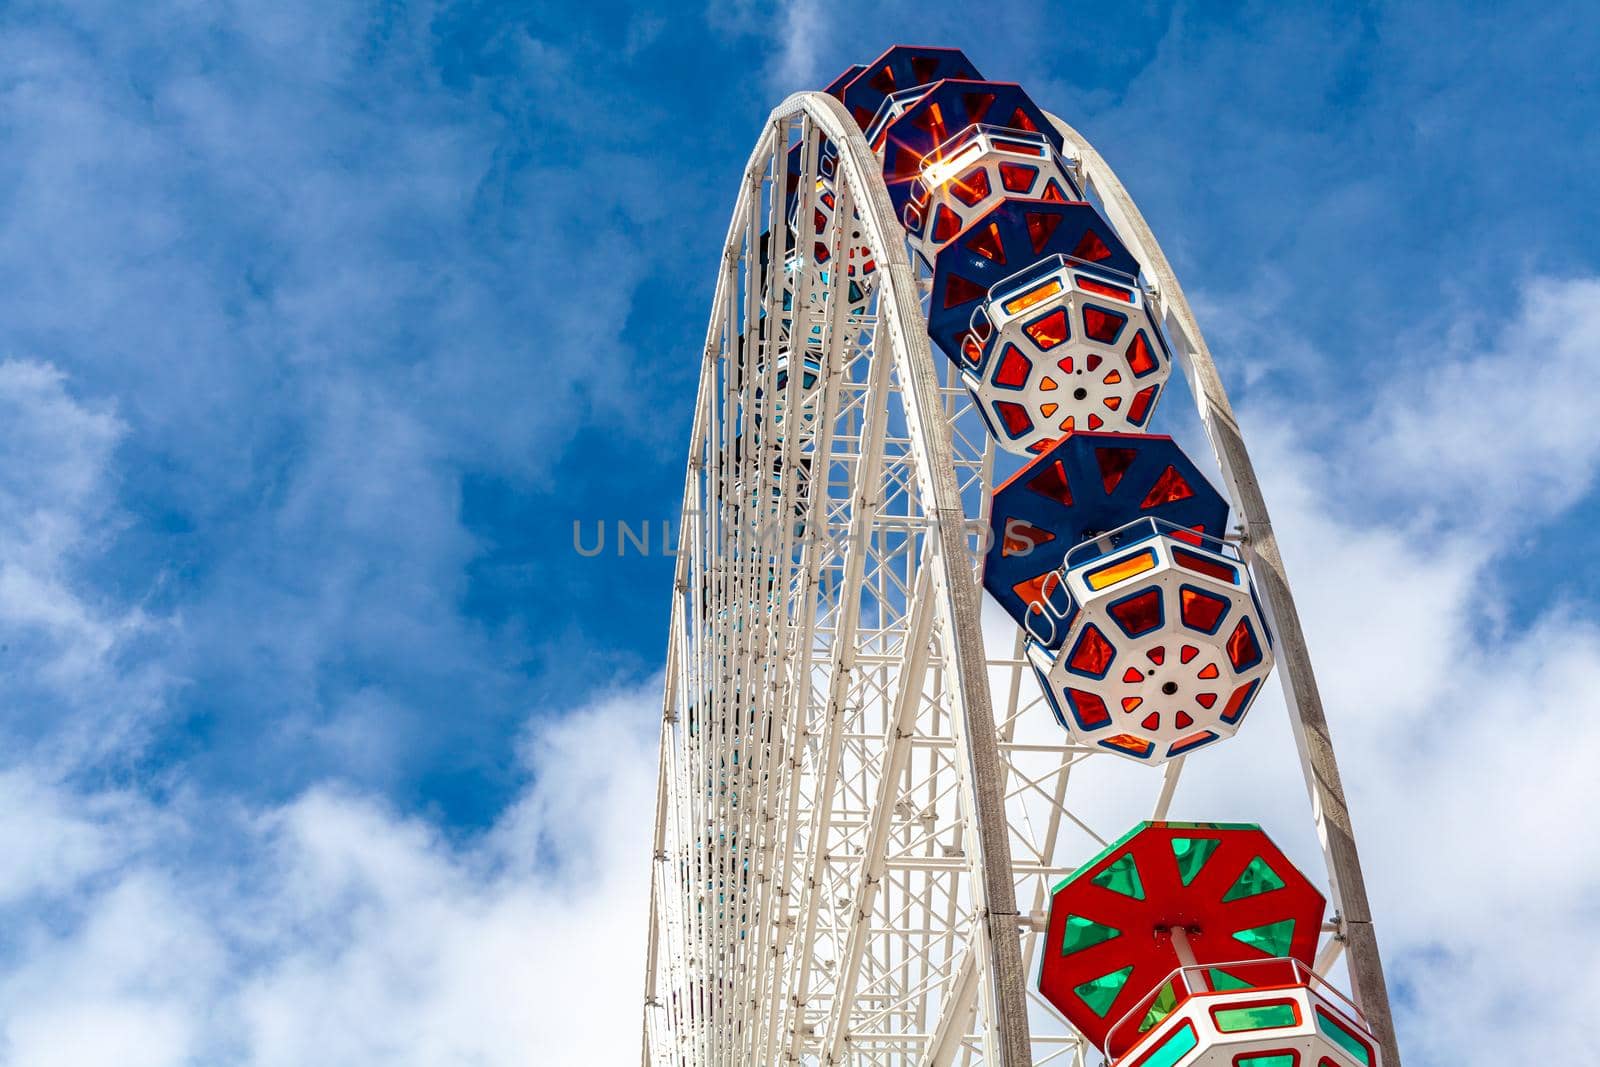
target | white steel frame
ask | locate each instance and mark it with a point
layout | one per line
(853, 850)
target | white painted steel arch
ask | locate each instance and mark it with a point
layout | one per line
(845, 828)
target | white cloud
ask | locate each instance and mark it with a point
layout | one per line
(62, 839)
(803, 36)
(338, 932)
(124, 988)
(53, 457)
(62, 641)
(1495, 421)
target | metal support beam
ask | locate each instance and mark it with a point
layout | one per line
(896, 752)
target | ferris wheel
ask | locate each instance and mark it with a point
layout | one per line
(896, 827)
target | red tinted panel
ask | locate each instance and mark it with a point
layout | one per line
(986, 242)
(1157, 655)
(1052, 482)
(1102, 325)
(1243, 652)
(1208, 672)
(1134, 746)
(907, 165)
(1184, 720)
(971, 350)
(1090, 708)
(1017, 146)
(1021, 121)
(1053, 193)
(971, 187)
(1236, 702)
(961, 290)
(1040, 228)
(1015, 416)
(1139, 614)
(1140, 359)
(1036, 590)
(1205, 700)
(1091, 247)
(1017, 177)
(946, 224)
(1115, 292)
(978, 105)
(1014, 369)
(1133, 674)
(1022, 537)
(1169, 487)
(1201, 611)
(1204, 565)
(1141, 405)
(1048, 331)
(1114, 463)
(1092, 654)
(1184, 744)
(930, 120)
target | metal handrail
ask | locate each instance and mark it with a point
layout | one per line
(1147, 527)
(1303, 974)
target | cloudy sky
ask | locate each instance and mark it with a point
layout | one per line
(321, 323)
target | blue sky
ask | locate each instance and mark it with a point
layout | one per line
(321, 323)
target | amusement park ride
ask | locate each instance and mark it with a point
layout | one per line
(888, 832)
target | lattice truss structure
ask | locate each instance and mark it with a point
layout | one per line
(862, 811)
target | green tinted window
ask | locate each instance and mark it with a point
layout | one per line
(1257, 878)
(1102, 992)
(1174, 1048)
(1085, 933)
(1343, 1037)
(1160, 1008)
(1274, 938)
(1271, 1059)
(1254, 1017)
(1122, 877)
(1223, 982)
(1192, 853)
